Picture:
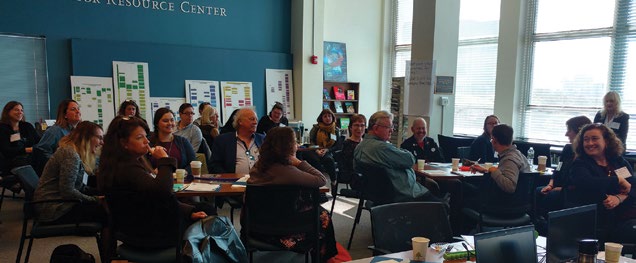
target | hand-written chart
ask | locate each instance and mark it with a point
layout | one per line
(279, 88)
(95, 97)
(130, 80)
(236, 95)
(199, 91)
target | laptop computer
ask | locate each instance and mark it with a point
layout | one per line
(565, 228)
(508, 245)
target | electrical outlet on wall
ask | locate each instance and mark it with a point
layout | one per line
(443, 101)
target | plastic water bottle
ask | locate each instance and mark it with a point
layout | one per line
(530, 155)
(306, 137)
(301, 129)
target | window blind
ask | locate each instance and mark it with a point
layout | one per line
(24, 74)
(403, 23)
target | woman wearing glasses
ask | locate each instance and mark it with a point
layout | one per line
(481, 149)
(325, 135)
(600, 175)
(356, 131)
(141, 201)
(175, 146)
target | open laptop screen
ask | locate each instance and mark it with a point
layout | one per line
(507, 245)
(565, 228)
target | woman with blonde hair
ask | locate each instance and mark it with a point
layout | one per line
(613, 116)
(209, 124)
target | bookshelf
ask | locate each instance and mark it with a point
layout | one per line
(343, 103)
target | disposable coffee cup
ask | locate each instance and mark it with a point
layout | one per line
(181, 176)
(421, 164)
(455, 162)
(487, 165)
(612, 252)
(196, 168)
(542, 161)
(420, 246)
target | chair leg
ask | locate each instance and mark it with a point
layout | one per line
(251, 256)
(355, 222)
(232, 215)
(17, 258)
(26, 257)
(2, 197)
(333, 203)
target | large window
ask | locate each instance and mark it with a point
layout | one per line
(574, 58)
(476, 64)
(402, 36)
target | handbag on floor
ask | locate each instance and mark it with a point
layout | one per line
(70, 253)
(213, 239)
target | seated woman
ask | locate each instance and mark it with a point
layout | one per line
(551, 198)
(600, 175)
(65, 176)
(356, 131)
(129, 108)
(278, 165)
(209, 125)
(68, 116)
(481, 149)
(274, 119)
(142, 203)
(324, 134)
(202, 107)
(176, 146)
(17, 138)
(613, 116)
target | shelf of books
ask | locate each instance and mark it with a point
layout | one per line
(341, 98)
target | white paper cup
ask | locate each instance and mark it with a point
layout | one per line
(181, 176)
(420, 246)
(542, 160)
(455, 162)
(421, 164)
(196, 168)
(612, 252)
(487, 165)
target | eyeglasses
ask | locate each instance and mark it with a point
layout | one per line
(388, 127)
(187, 113)
(358, 125)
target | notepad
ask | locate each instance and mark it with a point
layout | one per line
(241, 182)
(203, 187)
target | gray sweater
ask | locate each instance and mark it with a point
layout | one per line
(511, 163)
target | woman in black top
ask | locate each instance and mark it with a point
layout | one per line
(481, 149)
(17, 137)
(275, 118)
(613, 116)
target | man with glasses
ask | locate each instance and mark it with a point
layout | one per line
(420, 145)
(238, 152)
(375, 153)
(186, 129)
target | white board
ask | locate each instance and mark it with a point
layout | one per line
(279, 88)
(96, 98)
(199, 91)
(130, 80)
(235, 95)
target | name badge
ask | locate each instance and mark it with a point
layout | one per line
(281, 125)
(334, 137)
(85, 178)
(14, 137)
(615, 125)
(559, 166)
(622, 172)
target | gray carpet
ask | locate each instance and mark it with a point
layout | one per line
(11, 217)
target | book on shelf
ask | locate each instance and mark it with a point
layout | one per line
(351, 94)
(325, 105)
(344, 123)
(338, 106)
(350, 108)
(325, 93)
(338, 93)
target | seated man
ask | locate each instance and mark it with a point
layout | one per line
(376, 153)
(511, 161)
(420, 145)
(237, 152)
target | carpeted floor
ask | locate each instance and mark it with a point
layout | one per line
(11, 217)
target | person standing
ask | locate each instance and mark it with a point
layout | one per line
(613, 116)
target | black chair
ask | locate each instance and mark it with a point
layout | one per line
(274, 210)
(393, 225)
(343, 176)
(539, 149)
(463, 153)
(29, 180)
(500, 209)
(449, 145)
(629, 250)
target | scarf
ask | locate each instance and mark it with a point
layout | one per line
(323, 136)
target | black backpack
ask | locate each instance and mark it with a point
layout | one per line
(71, 253)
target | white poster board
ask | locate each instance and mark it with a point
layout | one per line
(131, 82)
(279, 88)
(199, 91)
(235, 95)
(96, 98)
(419, 95)
(164, 102)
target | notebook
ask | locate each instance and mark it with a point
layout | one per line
(508, 245)
(565, 228)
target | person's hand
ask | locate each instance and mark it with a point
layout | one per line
(611, 201)
(477, 168)
(157, 152)
(623, 186)
(198, 215)
(546, 189)
(28, 149)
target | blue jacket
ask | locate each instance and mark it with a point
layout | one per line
(223, 157)
(187, 154)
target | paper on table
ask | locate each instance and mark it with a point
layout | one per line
(470, 240)
(241, 182)
(435, 172)
(203, 187)
(382, 259)
(446, 165)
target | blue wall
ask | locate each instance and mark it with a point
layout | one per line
(250, 25)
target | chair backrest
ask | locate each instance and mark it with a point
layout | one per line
(493, 199)
(393, 225)
(29, 180)
(539, 149)
(463, 152)
(345, 174)
(376, 185)
(276, 209)
(449, 145)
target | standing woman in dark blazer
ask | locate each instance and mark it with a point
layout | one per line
(17, 136)
(481, 148)
(176, 146)
(600, 175)
(613, 116)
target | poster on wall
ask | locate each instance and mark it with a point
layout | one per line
(419, 74)
(279, 88)
(96, 98)
(335, 62)
(164, 102)
(235, 95)
(199, 91)
(444, 84)
(131, 82)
